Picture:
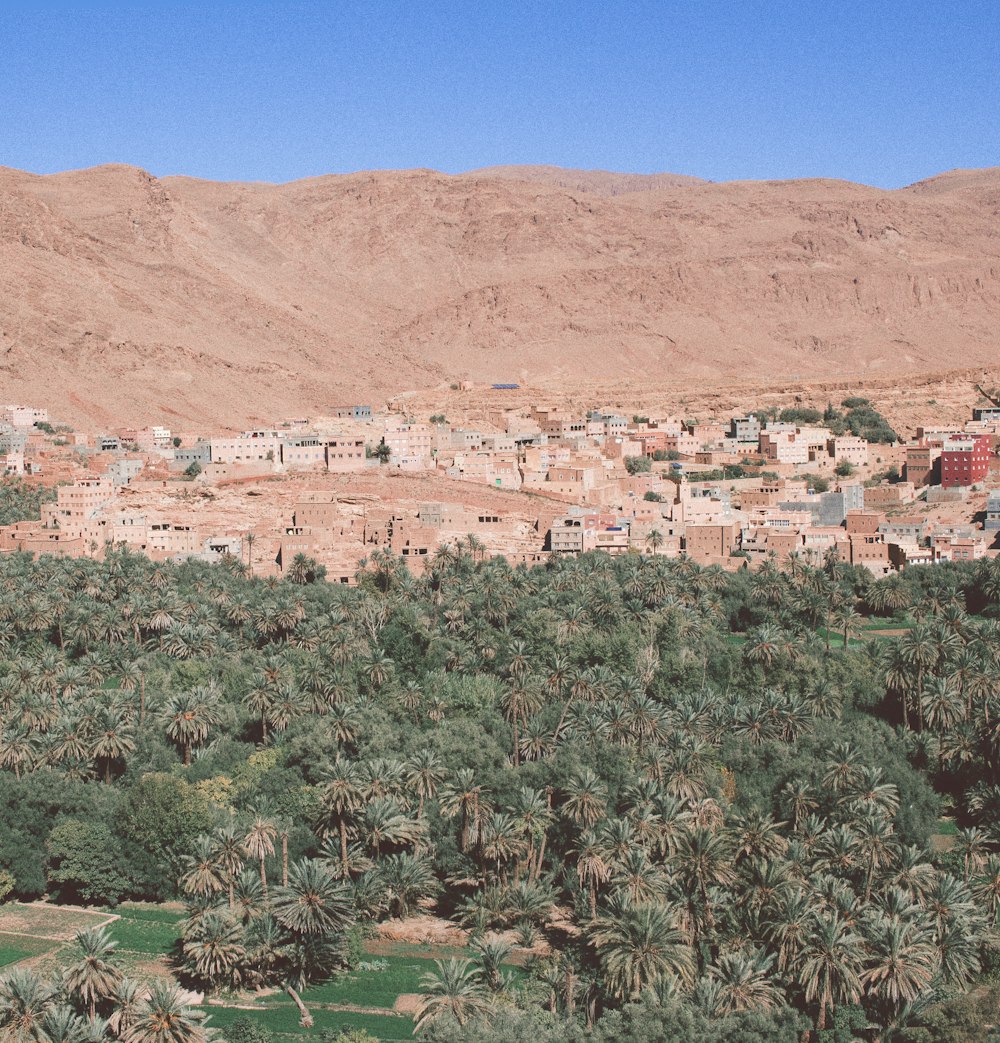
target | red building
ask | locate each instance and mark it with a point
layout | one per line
(965, 460)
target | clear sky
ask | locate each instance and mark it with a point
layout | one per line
(880, 91)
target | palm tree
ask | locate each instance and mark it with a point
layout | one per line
(407, 880)
(24, 1001)
(592, 867)
(164, 1017)
(94, 977)
(314, 902)
(424, 773)
(202, 874)
(214, 949)
(764, 645)
(917, 649)
(189, 716)
(703, 861)
(259, 843)
(113, 741)
(639, 946)
(62, 1024)
(902, 962)
(586, 798)
(383, 822)
(493, 953)
(462, 795)
(973, 845)
(456, 990)
(313, 907)
(17, 749)
(227, 854)
(744, 982)
(341, 796)
(251, 539)
(501, 842)
(248, 897)
(125, 1009)
(829, 966)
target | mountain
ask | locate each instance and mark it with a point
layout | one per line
(126, 297)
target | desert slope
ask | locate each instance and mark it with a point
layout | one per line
(131, 298)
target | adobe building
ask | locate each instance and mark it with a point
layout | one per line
(707, 541)
(871, 551)
(922, 465)
(860, 522)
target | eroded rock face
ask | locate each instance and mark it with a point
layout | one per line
(127, 296)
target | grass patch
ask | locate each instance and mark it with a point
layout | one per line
(887, 624)
(284, 1021)
(836, 639)
(150, 913)
(946, 827)
(370, 988)
(152, 937)
(414, 950)
(14, 948)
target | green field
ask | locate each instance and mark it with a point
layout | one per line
(372, 988)
(284, 1021)
(154, 937)
(152, 913)
(14, 948)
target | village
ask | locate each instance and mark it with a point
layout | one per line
(523, 481)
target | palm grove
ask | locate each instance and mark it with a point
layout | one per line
(714, 813)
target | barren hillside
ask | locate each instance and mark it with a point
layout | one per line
(124, 296)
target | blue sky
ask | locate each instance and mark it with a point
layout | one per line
(880, 91)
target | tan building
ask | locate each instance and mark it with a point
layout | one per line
(871, 551)
(846, 447)
(705, 541)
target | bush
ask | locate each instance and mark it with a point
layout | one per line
(7, 883)
(844, 469)
(243, 1030)
(817, 483)
(638, 464)
(193, 470)
(800, 415)
(350, 1036)
(652, 497)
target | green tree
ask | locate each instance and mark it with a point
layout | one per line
(85, 863)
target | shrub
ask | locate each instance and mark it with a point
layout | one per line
(637, 464)
(244, 1030)
(800, 415)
